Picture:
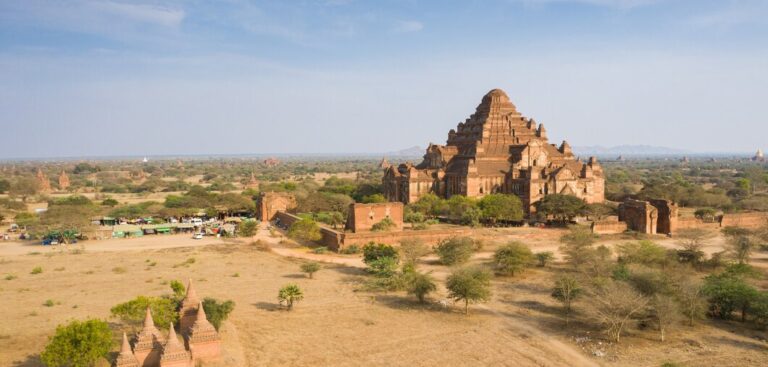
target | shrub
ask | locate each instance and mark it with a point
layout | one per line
(420, 285)
(36, 270)
(641, 252)
(305, 230)
(310, 268)
(373, 251)
(512, 258)
(49, 303)
(544, 257)
(384, 225)
(217, 312)
(412, 249)
(248, 228)
(289, 294)
(566, 290)
(10, 277)
(163, 310)
(351, 250)
(320, 250)
(78, 344)
(383, 267)
(455, 251)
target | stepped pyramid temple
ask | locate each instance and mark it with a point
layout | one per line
(151, 349)
(759, 156)
(497, 150)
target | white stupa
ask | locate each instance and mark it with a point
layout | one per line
(145, 160)
(759, 156)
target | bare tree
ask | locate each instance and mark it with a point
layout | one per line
(566, 289)
(740, 248)
(666, 313)
(692, 303)
(615, 304)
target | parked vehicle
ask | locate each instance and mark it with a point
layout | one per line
(198, 236)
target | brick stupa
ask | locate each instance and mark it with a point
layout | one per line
(126, 357)
(43, 184)
(203, 339)
(174, 353)
(188, 311)
(63, 181)
(149, 343)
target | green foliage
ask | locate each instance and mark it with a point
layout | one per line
(178, 289)
(36, 270)
(289, 294)
(500, 207)
(305, 230)
(374, 198)
(163, 310)
(455, 251)
(109, 202)
(471, 285)
(248, 228)
(562, 208)
(512, 258)
(420, 285)
(373, 251)
(544, 257)
(383, 267)
(351, 250)
(26, 219)
(413, 217)
(641, 252)
(728, 292)
(384, 225)
(566, 290)
(310, 268)
(217, 312)
(78, 344)
(429, 204)
(5, 185)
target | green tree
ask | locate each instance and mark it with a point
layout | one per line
(384, 225)
(305, 230)
(420, 285)
(641, 252)
(248, 228)
(5, 185)
(563, 208)
(578, 239)
(78, 344)
(163, 310)
(413, 217)
(23, 187)
(728, 292)
(512, 258)
(289, 294)
(455, 251)
(374, 198)
(310, 268)
(383, 267)
(110, 202)
(429, 204)
(504, 207)
(598, 211)
(566, 290)
(471, 285)
(217, 312)
(373, 251)
(544, 257)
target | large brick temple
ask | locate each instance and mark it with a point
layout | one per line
(497, 150)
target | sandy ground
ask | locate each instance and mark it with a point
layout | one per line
(336, 324)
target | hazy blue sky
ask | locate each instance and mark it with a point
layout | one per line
(197, 77)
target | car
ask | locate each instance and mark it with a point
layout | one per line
(198, 236)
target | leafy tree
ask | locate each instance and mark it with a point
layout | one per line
(598, 211)
(728, 292)
(666, 313)
(471, 285)
(374, 198)
(496, 207)
(429, 204)
(641, 252)
(373, 251)
(463, 209)
(615, 304)
(384, 225)
(110, 202)
(217, 312)
(179, 291)
(512, 258)
(163, 310)
(383, 267)
(692, 240)
(563, 208)
(335, 219)
(305, 230)
(705, 214)
(78, 344)
(456, 250)
(248, 228)
(289, 294)
(23, 187)
(575, 242)
(310, 268)
(544, 257)
(420, 285)
(566, 290)
(26, 219)
(5, 185)
(413, 217)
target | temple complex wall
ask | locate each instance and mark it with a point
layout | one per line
(609, 226)
(269, 203)
(362, 217)
(744, 220)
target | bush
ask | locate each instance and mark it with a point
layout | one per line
(412, 249)
(512, 258)
(305, 230)
(78, 344)
(351, 250)
(642, 252)
(455, 251)
(163, 310)
(217, 312)
(384, 225)
(310, 268)
(383, 267)
(420, 285)
(36, 270)
(289, 294)
(544, 257)
(373, 251)
(320, 250)
(248, 228)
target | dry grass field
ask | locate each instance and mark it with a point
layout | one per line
(336, 324)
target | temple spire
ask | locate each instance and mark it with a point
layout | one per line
(148, 322)
(126, 347)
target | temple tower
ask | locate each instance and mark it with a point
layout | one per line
(174, 354)
(188, 311)
(149, 343)
(63, 181)
(204, 341)
(126, 357)
(43, 184)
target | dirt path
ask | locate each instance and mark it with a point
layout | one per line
(153, 242)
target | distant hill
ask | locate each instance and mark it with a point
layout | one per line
(646, 150)
(414, 151)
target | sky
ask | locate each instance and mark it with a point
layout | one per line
(117, 78)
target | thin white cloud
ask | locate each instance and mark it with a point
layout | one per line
(408, 26)
(144, 13)
(609, 3)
